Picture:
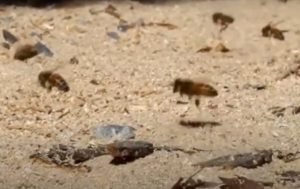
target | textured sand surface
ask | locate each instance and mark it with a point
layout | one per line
(135, 89)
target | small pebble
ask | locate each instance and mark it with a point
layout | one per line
(113, 35)
(74, 60)
(116, 132)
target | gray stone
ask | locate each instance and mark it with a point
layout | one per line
(116, 132)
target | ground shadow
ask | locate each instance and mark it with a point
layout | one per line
(124, 160)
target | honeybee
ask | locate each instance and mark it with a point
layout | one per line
(190, 88)
(271, 31)
(49, 79)
(222, 19)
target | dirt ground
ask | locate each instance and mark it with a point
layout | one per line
(133, 87)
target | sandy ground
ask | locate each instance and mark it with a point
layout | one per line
(135, 89)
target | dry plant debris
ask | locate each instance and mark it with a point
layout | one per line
(220, 47)
(280, 111)
(74, 60)
(162, 24)
(95, 82)
(255, 86)
(277, 111)
(111, 10)
(296, 110)
(49, 79)
(292, 71)
(240, 182)
(124, 25)
(122, 152)
(271, 31)
(205, 49)
(191, 88)
(173, 148)
(191, 183)
(196, 124)
(288, 156)
(128, 151)
(246, 160)
(69, 156)
(222, 20)
(290, 176)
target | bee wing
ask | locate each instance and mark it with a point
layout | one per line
(9, 37)
(59, 66)
(276, 23)
(203, 79)
(41, 48)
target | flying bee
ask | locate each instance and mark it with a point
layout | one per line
(49, 79)
(25, 51)
(271, 31)
(222, 19)
(190, 88)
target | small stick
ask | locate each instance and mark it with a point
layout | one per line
(64, 114)
(174, 148)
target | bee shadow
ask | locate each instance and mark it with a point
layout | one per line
(197, 124)
(124, 160)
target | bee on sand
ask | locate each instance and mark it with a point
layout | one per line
(49, 79)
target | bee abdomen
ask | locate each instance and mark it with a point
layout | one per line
(207, 90)
(204, 90)
(63, 85)
(59, 82)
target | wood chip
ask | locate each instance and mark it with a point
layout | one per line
(246, 160)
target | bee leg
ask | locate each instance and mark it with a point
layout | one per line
(181, 93)
(49, 89)
(224, 27)
(48, 86)
(197, 103)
